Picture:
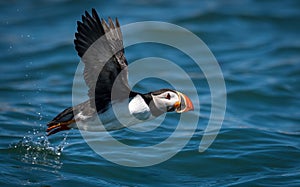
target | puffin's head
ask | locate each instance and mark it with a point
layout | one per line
(168, 100)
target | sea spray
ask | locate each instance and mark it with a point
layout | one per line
(36, 149)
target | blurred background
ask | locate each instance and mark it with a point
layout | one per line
(257, 44)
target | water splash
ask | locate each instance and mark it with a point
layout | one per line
(36, 149)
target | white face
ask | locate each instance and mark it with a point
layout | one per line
(165, 101)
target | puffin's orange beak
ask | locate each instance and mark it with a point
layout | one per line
(184, 105)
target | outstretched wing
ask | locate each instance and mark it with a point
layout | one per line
(100, 46)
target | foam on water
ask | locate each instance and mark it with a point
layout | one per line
(36, 149)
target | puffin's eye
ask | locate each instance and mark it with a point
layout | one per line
(168, 96)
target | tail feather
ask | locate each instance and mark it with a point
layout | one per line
(61, 122)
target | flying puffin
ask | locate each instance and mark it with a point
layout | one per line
(107, 80)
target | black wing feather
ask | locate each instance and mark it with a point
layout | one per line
(100, 46)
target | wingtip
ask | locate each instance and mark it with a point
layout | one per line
(86, 13)
(83, 18)
(94, 12)
(111, 23)
(117, 23)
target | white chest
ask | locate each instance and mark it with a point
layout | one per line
(139, 108)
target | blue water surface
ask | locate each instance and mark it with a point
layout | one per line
(257, 45)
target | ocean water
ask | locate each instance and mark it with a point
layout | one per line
(256, 43)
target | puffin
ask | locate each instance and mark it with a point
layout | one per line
(99, 45)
